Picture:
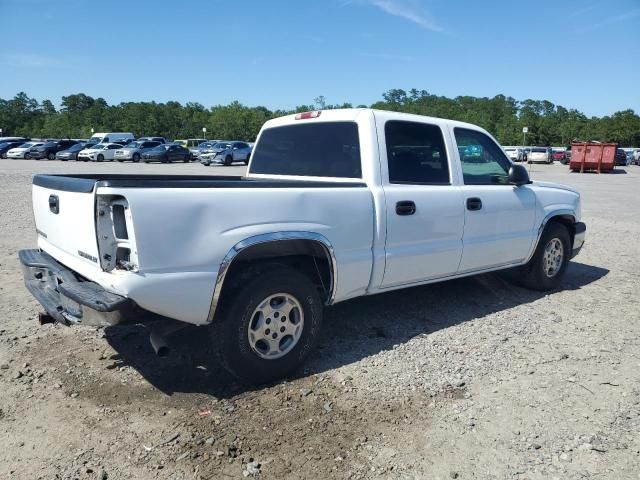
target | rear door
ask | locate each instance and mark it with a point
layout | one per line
(499, 217)
(425, 215)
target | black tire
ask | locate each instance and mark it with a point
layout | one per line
(246, 162)
(100, 158)
(51, 156)
(232, 327)
(27, 156)
(136, 157)
(532, 275)
(186, 159)
(3, 155)
(228, 160)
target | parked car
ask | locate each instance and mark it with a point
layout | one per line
(71, 153)
(621, 158)
(336, 205)
(6, 146)
(167, 154)
(567, 156)
(636, 156)
(152, 139)
(558, 154)
(48, 150)
(112, 137)
(540, 154)
(191, 142)
(204, 147)
(14, 139)
(99, 152)
(22, 151)
(226, 153)
(514, 153)
(135, 150)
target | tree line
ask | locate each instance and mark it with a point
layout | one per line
(504, 117)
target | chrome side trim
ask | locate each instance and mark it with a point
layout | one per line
(266, 238)
(545, 220)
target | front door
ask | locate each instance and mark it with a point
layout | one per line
(499, 223)
(425, 215)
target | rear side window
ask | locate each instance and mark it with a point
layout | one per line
(330, 149)
(416, 153)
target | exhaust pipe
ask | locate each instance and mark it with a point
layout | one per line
(160, 330)
(159, 344)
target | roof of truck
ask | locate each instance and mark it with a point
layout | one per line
(351, 114)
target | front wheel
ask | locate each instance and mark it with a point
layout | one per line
(269, 325)
(100, 158)
(548, 265)
(27, 156)
(136, 157)
(228, 160)
(3, 155)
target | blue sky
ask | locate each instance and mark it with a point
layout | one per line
(282, 53)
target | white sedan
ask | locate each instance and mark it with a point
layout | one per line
(99, 152)
(23, 150)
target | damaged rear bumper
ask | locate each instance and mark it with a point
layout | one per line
(67, 299)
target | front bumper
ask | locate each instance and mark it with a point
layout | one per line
(578, 238)
(67, 299)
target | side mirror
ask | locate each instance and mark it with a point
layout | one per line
(518, 175)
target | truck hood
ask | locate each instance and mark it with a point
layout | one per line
(557, 186)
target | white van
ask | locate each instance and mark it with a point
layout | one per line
(112, 137)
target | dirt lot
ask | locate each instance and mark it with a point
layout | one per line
(472, 378)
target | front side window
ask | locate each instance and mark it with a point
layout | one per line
(319, 149)
(483, 161)
(416, 153)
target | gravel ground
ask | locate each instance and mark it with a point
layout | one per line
(473, 378)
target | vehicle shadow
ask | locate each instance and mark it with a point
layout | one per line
(352, 330)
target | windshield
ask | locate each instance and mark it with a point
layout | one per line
(50, 144)
(134, 145)
(77, 147)
(95, 139)
(539, 150)
(221, 145)
(28, 145)
(161, 148)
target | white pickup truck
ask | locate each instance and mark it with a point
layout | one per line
(336, 204)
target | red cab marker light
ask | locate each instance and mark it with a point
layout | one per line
(306, 115)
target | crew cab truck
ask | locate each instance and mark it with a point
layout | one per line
(336, 204)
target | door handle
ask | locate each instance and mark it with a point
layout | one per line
(474, 203)
(405, 207)
(54, 204)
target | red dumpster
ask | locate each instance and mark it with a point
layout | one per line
(593, 156)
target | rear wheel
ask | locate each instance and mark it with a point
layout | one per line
(51, 156)
(269, 325)
(246, 162)
(136, 157)
(228, 160)
(3, 155)
(548, 265)
(100, 158)
(187, 158)
(27, 156)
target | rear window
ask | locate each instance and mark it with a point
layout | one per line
(539, 150)
(330, 149)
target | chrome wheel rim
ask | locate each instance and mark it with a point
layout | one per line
(553, 257)
(276, 326)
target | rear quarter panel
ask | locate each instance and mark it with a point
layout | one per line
(183, 234)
